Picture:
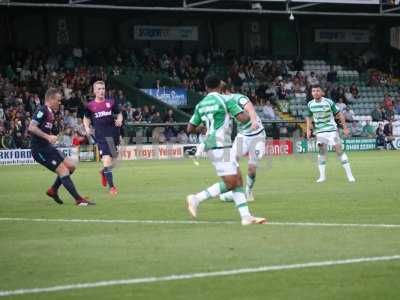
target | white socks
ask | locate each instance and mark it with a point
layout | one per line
(321, 166)
(240, 201)
(212, 191)
(345, 163)
(346, 166)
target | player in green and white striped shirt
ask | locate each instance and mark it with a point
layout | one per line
(215, 111)
(323, 112)
(250, 141)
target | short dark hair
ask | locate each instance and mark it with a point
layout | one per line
(315, 86)
(225, 87)
(212, 81)
(51, 92)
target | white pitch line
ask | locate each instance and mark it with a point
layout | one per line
(303, 224)
(196, 275)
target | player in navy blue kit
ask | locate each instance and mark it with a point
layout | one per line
(100, 113)
(43, 151)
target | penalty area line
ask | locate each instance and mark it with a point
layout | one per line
(132, 281)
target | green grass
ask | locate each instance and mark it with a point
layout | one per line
(46, 254)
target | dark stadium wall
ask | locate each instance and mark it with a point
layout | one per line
(63, 30)
(269, 35)
(97, 32)
(29, 30)
(5, 34)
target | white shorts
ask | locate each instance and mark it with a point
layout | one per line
(254, 146)
(224, 161)
(330, 138)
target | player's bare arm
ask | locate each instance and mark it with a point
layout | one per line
(342, 120)
(34, 129)
(309, 127)
(119, 120)
(249, 108)
(191, 128)
(86, 124)
(242, 117)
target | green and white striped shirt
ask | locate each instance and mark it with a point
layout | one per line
(323, 113)
(245, 128)
(214, 110)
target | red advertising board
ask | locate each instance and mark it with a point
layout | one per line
(278, 147)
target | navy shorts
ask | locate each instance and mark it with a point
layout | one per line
(109, 148)
(48, 156)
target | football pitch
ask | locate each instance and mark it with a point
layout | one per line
(335, 240)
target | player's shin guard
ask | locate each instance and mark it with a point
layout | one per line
(109, 176)
(346, 165)
(213, 191)
(321, 165)
(70, 187)
(240, 201)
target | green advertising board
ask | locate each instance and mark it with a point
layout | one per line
(353, 144)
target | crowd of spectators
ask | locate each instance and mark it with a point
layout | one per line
(27, 74)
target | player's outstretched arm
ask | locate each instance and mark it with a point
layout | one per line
(35, 130)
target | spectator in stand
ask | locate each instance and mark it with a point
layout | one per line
(380, 137)
(77, 139)
(377, 114)
(349, 114)
(374, 80)
(388, 107)
(137, 115)
(299, 88)
(157, 85)
(146, 114)
(356, 129)
(65, 139)
(388, 114)
(348, 95)
(270, 92)
(268, 111)
(397, 107)
(312, 79)
(69, 119)
(17, 131)
(128, 112)
(354, 91)
(169, 130)
(2, 114)
(388, 102)
(332, 75)
(342, 106)
(368, 130)
(182, 137)
(121, 99)
(388, 131)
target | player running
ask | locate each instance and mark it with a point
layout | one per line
(99, 112)
(250, 141)
(43, 151)
(214, 110)
(323, 111)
